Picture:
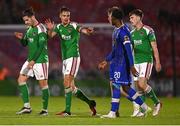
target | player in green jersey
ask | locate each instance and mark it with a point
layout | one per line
(145, 48)
(69, 33)
(36, 64)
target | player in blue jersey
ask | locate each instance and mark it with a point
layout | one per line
(122, 65)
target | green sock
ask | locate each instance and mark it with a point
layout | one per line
(152, 95)
(24, 92)
(143, 97)
(45, 98)
(79, 94)
(68, 97)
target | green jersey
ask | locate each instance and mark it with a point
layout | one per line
(36, 40)
(141, 40)
(69, 36)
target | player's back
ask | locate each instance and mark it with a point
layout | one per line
(120, 37)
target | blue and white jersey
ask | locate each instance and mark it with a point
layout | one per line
(121, 58)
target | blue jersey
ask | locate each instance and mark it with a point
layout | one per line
(120, 58)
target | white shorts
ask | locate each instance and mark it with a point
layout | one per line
(144, 70)
(40, 70)
(71, 66)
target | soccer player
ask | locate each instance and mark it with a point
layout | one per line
(122, 64)
(69, 33)
(36, 64)
(145, 47)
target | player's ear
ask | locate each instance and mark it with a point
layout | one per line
(32, 17)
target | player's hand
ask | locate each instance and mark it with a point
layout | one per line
(18, 35)
(102, 65)
(134, 71)
(49, 24)
(31, 64)
(158, 67)
(90, 30)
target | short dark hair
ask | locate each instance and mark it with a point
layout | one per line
(64, 9)
(137, 12)
(28, 12)
(112, 8)
(117, 13)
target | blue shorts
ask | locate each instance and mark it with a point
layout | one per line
(120, 74)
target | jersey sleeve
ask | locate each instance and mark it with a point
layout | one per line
(24, 41)
(151, 36)
(127, 44)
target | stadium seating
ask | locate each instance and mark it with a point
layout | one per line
(94, 48)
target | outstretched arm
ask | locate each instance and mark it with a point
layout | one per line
(22, 38)
(87, 31)
(50, 27)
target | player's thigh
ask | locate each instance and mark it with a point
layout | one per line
(41, 71)
(71, 66)
(26, 71)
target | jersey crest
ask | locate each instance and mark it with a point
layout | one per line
(126, 38)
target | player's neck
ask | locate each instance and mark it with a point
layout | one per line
(119, 24)
(139, 25)
(35, 23)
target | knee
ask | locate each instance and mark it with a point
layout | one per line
(21, 80)
(43, 84)
(68, 81)
(74, 90)
(125, 88)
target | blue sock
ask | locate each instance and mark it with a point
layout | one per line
(132, 93)
(129, 98)
(115, 98)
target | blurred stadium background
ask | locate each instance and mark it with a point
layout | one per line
(162, 15)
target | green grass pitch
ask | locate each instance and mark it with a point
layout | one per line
(170, 113)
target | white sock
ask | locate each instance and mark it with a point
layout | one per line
(27, 105)
(144, 106)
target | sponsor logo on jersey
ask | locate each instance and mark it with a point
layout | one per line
(137, 42)
(30, 39)
(66, 37)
